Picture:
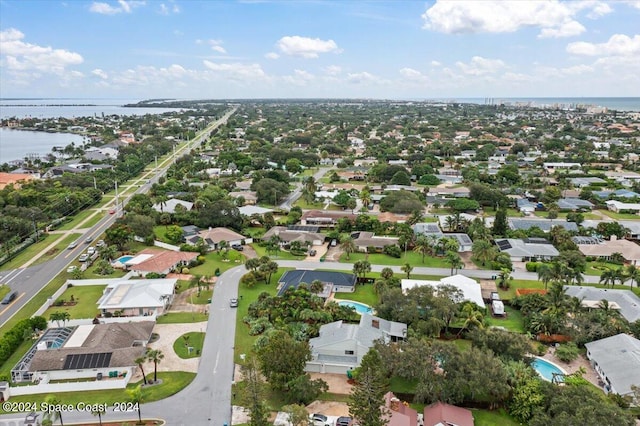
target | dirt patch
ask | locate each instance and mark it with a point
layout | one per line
(329, 408)
(337, 382)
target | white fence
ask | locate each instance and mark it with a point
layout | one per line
(166, 246)
(70, 387)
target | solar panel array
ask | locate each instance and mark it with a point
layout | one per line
(82, 361)
(586, 240)
(503, 245)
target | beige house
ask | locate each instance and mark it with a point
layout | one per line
(629, 250)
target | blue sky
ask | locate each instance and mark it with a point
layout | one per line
(302, 49)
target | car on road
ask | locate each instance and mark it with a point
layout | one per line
(312, 252)
(319, 420)
(233, 303)
(83, 257)
(71, 269)
(72, 245)
(237, 247)
(31, 419)
(343, 421)
(88, 240)
(9, 298)
(112, 211)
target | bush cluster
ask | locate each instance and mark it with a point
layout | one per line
(18, 334)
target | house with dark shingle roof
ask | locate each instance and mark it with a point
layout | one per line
(339, 281)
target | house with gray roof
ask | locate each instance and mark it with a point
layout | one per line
(528, 249)
(581, 182)
(544, 224)
(624, 301)
(287, 236)
(341, 346)
(616, 359)
(574, 204)
(172, 205)
(365, 240)
(334, 281)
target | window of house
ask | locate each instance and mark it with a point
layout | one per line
(349, 352)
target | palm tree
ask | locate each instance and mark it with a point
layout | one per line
(361, 267)
(608, 277)
(484, 251)
(504, 279)
(108, 252)
(348, 246)
(450, 222)
(365, 196)
(156, 356)
(454, 260)
(407, 268)
(423, 246)
(545, 274)
(139, 362)
(136, 397)
(316, 286)
(98, 410)
(472, 317)
(55, 413)
(633, 273)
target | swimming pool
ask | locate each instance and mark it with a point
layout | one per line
(547, 369)
(360, 308)
(123, 259)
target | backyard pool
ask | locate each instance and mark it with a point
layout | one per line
(123, 259)
(360, 308)
(547, 369)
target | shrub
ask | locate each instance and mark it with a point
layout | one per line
(185, 270)
(532, 266)
(393, 251)
(14, 337)
(567, 352)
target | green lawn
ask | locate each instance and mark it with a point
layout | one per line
(515, 284)
(400, 385)
(246, 296)
(159, 232)
(620, 216)
(91, 273)
(61, 245)
(81, 217)
(411, 257)
(203, 299)
(215, 260)
(364, 294)
(86, 298)
(493, 418)
(280, 255)
(563, 215)
(181, 317)
(512, 322)
(4, 290)
(308, 206)
(172, 383)
(195, 341)
(5, 369)
(462, 344)
(29, 253)
(596, 268)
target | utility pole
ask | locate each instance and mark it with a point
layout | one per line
(95, 184)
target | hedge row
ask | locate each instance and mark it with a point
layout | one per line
(18, 334)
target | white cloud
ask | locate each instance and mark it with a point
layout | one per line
(632, 3)
(299, 78)
(19, 55)
(617, 45)
(554, 18)
(577, 69)
(436, 64)
(169, 9)
(333, 70)
(100, 73)
(237, 71)
(481, 66)
(124, 6)
(216, 45)
(412, 75)
(271, 55)
(361, 78)
(306, 47)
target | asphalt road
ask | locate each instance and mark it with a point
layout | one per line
(297, 192)
(29, 281)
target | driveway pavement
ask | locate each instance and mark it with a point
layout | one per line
(169, 333)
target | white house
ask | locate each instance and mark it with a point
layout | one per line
(470, 288)
(616, 359)
(341, 346)
(137, 297)
(617, 206)
(171, 206)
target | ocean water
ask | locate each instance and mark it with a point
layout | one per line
(17, 144)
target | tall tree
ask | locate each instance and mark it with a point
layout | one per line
(366, 403)
(423, 246)
(407, 268)
(348, 246)
(484, 251)
(137, 398)
(454, 260)
(282, 359)
(500, 225)
(361, 268)
(156, 356)
(54, 412)
(253, 394)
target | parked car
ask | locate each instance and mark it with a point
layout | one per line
(237, 247)
(319, 420)
(72, 245)
(233, 303)
(334, 243)
(312, 252)
(83, 257)
(91, 250)
(88, 240)
(9, 298)
(343, 421)
(100, 243)
(71, 269)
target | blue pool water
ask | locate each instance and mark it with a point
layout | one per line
(123, 259)
(360, 308)
(546, 369)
